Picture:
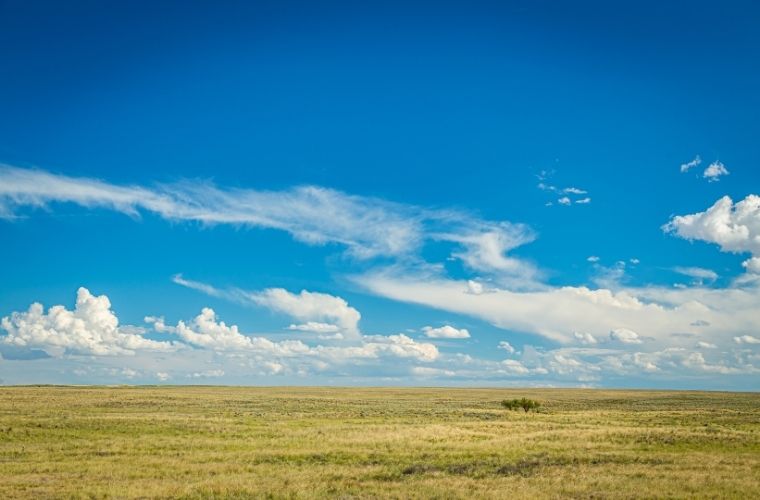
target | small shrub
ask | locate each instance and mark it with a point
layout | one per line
(524, 403)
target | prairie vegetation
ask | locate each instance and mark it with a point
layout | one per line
(199, 442)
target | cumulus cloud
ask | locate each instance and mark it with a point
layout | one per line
(625, 336)
(574, 190)
(583, 201)
(696, 360)
(746, 339)
(445, 332)
(592, 259)
(310, 306)
(685, 167)
(564, 200)
(506, 346)
(715, 171)
(585, 338)
(91, 328)
(752, 265)
(206, 331)
(733, 227)
(401, 346)
(474, 287)
(514, 367)
(319, 312)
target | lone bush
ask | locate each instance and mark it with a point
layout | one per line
(524, 403)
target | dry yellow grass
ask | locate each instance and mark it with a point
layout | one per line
(199, 442)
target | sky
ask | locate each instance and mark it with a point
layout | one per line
(518, 193)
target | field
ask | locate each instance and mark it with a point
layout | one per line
(199, 442)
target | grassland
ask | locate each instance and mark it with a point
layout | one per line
(199, 442)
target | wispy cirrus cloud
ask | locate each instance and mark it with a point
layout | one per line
(699, 274)
(366, 227)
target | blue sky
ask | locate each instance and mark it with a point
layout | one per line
(576, 179)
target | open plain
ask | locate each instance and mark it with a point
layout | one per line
(238, 442)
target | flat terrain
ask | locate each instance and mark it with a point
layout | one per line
(199, 442)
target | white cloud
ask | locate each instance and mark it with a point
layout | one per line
(696, 360)
(610, 277)
(394, 355)
(563, 200)
(315, 327)
(427, 371)
(320, 312)
(514, 367)
(314, 215)
(625, 336)
(685, 167)
(273, 367)
(402, 346)
(752, 265)
(474, 287)
(485, 248)
(558, 312)
(593, 259)
(585, 338)
(734, 227)
(697, 272)
(207, 332)
(91, 328)
(506, 346)
(201, 287)
(714, 171)
(207, 374)
(310, 306)
(445, 332)
(367, 227)
(746, 339)
(706, 345)
(634, 261)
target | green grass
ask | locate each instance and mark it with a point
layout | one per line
(199, 442)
